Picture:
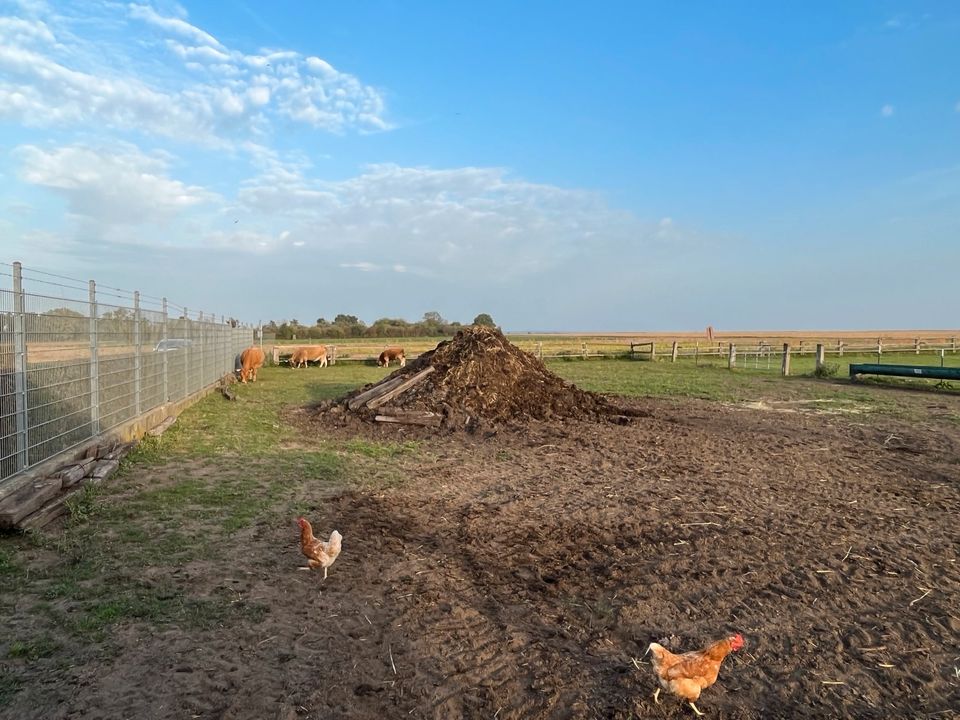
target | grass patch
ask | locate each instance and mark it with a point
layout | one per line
(40, 647)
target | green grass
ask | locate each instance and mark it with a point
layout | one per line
(716, 382)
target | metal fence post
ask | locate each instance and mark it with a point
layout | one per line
(137, 363)
(163, 336)
(187, 353)
(203, 378)
(20, 368)
(94, 363)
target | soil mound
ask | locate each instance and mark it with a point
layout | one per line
(477, 377)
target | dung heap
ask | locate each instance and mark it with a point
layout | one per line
(478, 377)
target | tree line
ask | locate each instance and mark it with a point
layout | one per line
(344, 326)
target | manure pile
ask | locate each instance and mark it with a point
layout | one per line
(478, 377)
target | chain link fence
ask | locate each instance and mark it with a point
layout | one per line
(77, 361)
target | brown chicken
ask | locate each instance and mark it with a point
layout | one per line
(688, 674)
(319, 553)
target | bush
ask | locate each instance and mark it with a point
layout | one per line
(827, 370)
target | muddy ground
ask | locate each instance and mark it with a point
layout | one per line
(519, 575)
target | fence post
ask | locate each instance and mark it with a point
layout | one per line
(203, 378)
(163, 336)
(916, 346)
(540, 351)
(953, 344)
(879, 348)
(583, 351)
(840, 348)
(785, 363)
(820, 357)
(653, 350)
(942, 351)
(732, 357)
(333, 355)
(673, 352)
(187, 353)
(20, 367)
(801, 348)
(696, 354)
(94, 364)
(137, 363)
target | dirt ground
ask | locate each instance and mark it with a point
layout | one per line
(519, 574)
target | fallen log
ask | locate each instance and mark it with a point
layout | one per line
(377, 390)
(412, 417)
(391, 394)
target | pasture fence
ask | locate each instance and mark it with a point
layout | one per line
(77, 360)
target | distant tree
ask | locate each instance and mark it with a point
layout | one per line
(433, 317)
(485, 320)
(321, 322)
(345, 320)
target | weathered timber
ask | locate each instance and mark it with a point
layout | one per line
(103, 469)
(391, 394)
(412, 417)
(26, 500)
(162, 427)
(376, 391)
(72, 475)
(47, 514)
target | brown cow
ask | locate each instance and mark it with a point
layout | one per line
(251, 360)
(392, 353)
(302, 355)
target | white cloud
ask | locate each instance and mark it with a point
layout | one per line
(54, 73)
(887, 110)
(18, 31)
(361, 266)
(479, 223)
(175, 26)
(117, 186)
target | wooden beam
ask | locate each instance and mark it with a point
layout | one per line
(391, 394)
(413, 417)
(377, 390)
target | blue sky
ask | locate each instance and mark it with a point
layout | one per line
(561, 166)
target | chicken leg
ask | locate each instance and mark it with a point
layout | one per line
(695, 709)
(656, 696)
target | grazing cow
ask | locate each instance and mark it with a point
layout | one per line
(315, 353)
(392, 353)
(251, 360)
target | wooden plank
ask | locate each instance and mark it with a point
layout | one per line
(390, 395)
(414, 417)
(375, 391)
(47, 514)
(27, 500)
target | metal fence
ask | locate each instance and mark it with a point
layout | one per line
(76, 361)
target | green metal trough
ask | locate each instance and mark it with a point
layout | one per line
(918, 371)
